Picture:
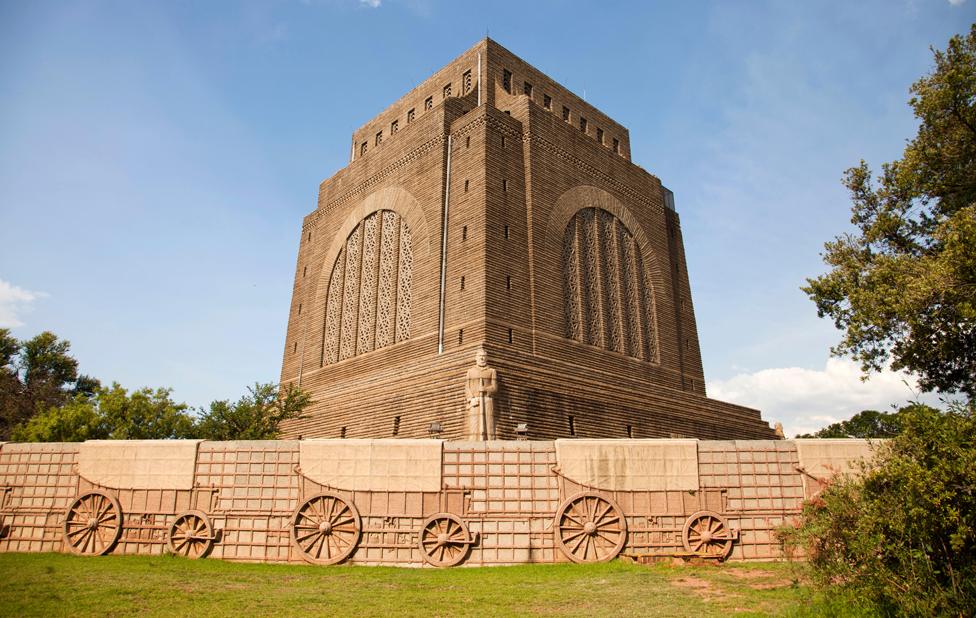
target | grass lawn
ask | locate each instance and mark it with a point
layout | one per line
(59, 584)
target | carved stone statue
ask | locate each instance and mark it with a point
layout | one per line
(480, 385)
(778, 428)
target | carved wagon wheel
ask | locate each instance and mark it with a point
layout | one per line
(325, 529)
(590, 528)
(708, 534)
(93, 524)
(190, 535)
(444, 540)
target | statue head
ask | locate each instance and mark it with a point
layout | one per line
(481, 357)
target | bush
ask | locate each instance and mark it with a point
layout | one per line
(902, 536)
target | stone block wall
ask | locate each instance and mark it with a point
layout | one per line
(499, 502)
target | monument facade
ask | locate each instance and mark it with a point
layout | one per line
(491, 208)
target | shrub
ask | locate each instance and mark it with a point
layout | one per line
(902, 535)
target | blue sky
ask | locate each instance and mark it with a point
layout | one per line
(156, 160)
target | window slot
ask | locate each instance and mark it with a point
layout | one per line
(547, 102)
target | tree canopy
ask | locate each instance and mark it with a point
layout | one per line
(36, 374)
(866, 424)
(44, 399)
(902, 286)
(255, 416)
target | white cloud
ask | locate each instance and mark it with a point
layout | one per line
(806, 400)
(957, 2)
(14, 301)
(371, 3)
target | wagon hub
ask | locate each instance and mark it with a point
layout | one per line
(325, 527)
(442, 538)
(589, 528)
(706, 537)
(92, 523)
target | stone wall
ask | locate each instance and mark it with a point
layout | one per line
(411, 502)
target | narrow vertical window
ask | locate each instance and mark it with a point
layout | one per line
(294, 347)
(447, 91)
(460, 336)
(464, 233)
(411, 114)
(547, 102)
(503, 141)
(466, 186)
(599, 136)
(506, 232)
(466, 82)
(582, 124)
(379, 138)
(510, 335)
(507, 81)
(467, 142)
(362, 148)
(508, 282)
(394, 126)
(396, 426)
(630, 431)
(572, 425)
(565, 113)
(462, 284)
(429, 104)
(304, 271)
(309, 237)
(616, 145)
(299, 308)
(527, 89)
(504, 185)
(342, 433)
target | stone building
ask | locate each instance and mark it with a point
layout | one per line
(491, 208)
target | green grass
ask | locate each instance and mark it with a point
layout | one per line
(59, 584)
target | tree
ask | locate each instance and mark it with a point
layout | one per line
(37, 374)
(903, 534)
(111, 414)
(255, 416)
(902, 287)
(868, 424)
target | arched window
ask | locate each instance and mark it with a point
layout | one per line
(368, 299)
(607, 294)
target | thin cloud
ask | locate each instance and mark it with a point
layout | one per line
(373, 4)
(14, 301)
(806, 400)
(957, 2)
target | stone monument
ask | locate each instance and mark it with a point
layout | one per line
(490, 207)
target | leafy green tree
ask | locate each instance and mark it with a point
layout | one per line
(255, 416)
(36, 374)
(902, 286)
(903, 534)
(867, 424)
(112, 414)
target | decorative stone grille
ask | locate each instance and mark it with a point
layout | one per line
(368, 300)
(608, 297)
